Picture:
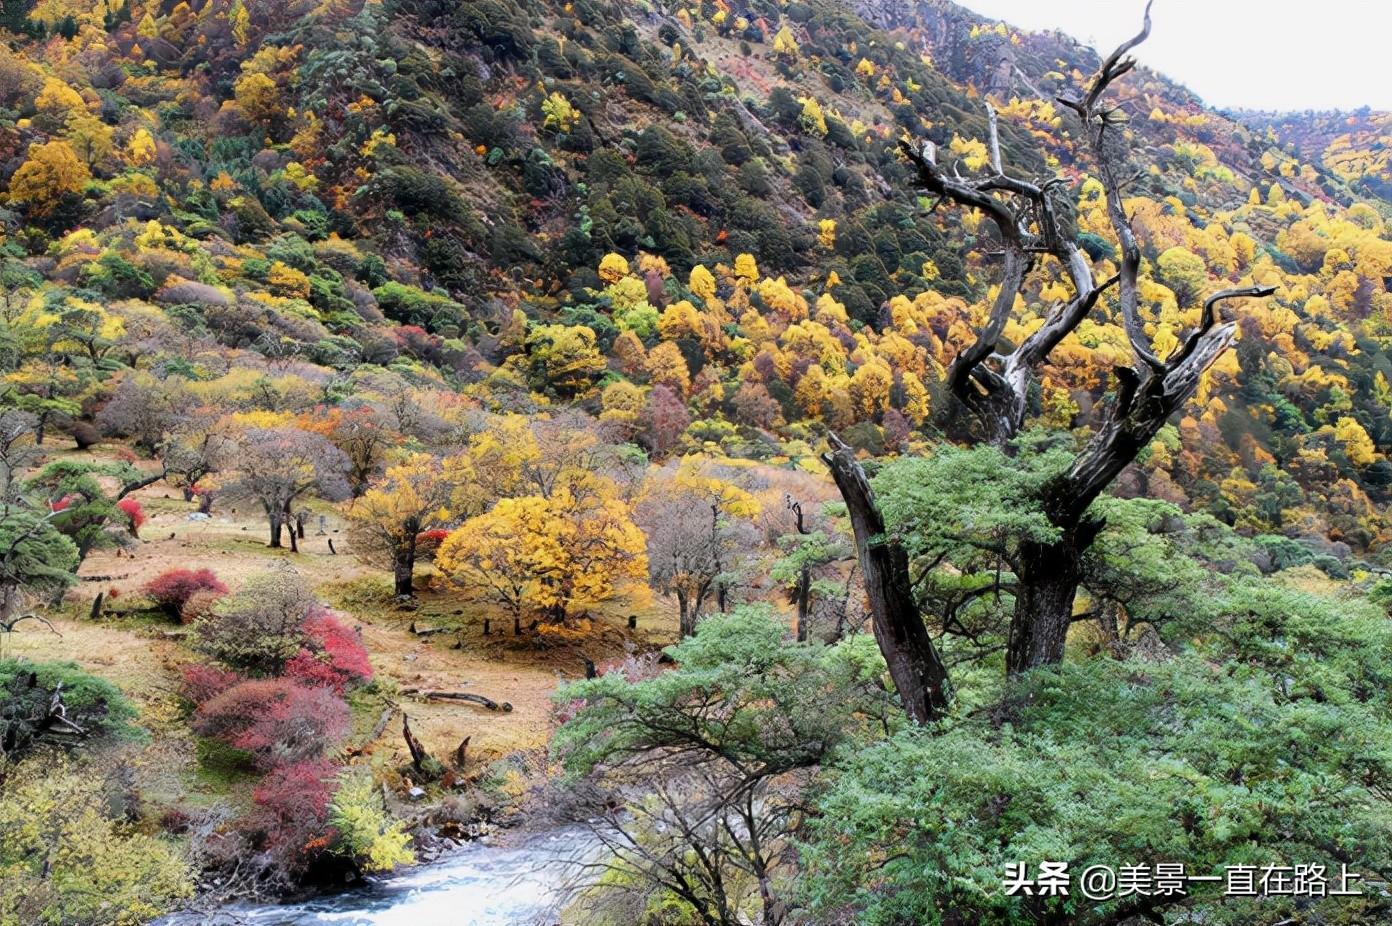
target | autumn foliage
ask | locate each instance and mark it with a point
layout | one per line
(173, 589)
(275, 721)
(292, 804)
(333, 654)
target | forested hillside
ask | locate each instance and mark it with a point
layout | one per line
(328, 191)
(367, 369)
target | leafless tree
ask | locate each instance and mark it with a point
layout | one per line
(279, 466)
(711, 834)
(1031, 221)
(193, 451)
(695, 548)
(144, 409)
(17, 450)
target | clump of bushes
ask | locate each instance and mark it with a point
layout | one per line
(275, 721)
(260, 628)
(173, 590)
(85, 863)
(333, 654)
(276, 702)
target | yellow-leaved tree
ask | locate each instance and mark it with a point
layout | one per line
(561, 359)
(1358, 446)
(386, 525)
(52, 171)
(547, 558)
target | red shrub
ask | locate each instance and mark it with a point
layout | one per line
(293, 807)
(203, 682)
(335, 656)
(277, 721)
(172, 590)
(427, 542)
(61, 504)
(132, 510)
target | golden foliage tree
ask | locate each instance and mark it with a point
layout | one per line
(52, 171)
(549, 558)
(386, 523)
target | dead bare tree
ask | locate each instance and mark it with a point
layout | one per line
(1032, 222)
(914, 663)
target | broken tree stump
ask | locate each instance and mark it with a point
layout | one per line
(418, 754)
(459, 753)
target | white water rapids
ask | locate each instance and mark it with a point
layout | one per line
(475, 885)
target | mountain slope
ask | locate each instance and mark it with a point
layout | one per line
(339, 192)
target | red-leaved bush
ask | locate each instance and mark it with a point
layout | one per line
(334, 655)
(276, 721)
(293, 807)
(203, 682)
(172, 590)
(428, 542)
(132, 510)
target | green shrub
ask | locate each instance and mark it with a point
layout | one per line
(65, 860)
(93, 705)
(366, 831)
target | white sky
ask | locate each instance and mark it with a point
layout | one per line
(1257, 54)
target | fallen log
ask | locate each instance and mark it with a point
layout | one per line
(427, 630)
(377, 729)
(489, 703)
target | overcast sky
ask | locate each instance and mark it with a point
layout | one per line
(1258, 54)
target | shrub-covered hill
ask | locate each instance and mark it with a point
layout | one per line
(693, 219)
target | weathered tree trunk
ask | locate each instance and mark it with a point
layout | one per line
(914, 663)
(275, 530)
(288, 519)
(404, 568)
(418, 754)
(686, 617)
(994, 383)
(804, 593)
(1046, 587)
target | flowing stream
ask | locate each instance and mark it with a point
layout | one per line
(476, 885)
